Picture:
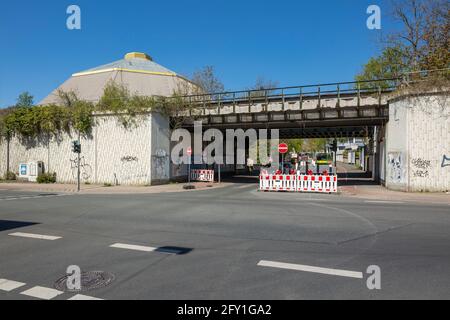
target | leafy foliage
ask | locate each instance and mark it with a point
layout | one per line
(72, 113)
(46, 178)
(9, 176)
(421, 43)
(390, 64)
(24, 100)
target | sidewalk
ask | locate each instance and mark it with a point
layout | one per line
(353, 182)
(101, 189)
(377, 192)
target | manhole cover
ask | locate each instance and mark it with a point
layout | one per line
(89, 280)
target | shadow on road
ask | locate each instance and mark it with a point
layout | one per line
(11, 224)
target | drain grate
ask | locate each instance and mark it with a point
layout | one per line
(89, 280)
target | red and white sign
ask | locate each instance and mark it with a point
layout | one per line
(189, 151)
(298, 183)
(202, 175)
(283, 148)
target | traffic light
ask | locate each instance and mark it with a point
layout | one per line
(334, 145)
(76, 146)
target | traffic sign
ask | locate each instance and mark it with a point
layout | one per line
(283, 148)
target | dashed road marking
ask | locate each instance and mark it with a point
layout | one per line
(9, 285)
(42, 293)
(132, 247)
(24, 197)
(83, 297)
(383, 201)
(34, 236)
(301, 267)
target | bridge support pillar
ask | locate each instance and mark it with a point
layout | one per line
(417, 145)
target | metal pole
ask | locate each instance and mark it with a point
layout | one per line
(78, 166)
(189, 171)
(218, 175)
(8, 139)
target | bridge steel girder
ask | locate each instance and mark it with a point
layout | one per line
(312, 123)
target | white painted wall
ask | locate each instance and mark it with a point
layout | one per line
(417, 139)
(112, 154)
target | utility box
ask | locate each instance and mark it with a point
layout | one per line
(31, 170)
(23, 171)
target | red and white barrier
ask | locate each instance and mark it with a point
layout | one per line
(202, 175)
(298, 183)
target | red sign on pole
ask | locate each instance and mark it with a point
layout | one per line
(189, 151)
(283, 148)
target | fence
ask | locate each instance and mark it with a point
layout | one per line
(298, 183)
(202, 175)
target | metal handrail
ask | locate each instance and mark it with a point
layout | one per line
(265, 92)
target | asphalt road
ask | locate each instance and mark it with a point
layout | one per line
(236, 243)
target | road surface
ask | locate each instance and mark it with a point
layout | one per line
(226, 243)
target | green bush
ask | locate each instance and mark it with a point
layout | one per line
(46, 178)
(10, 175)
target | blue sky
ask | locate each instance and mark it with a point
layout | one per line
(292, 42)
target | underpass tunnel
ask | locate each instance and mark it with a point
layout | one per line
(358, 159)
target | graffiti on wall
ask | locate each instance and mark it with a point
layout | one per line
(85, 168)
(445, 161)
(129, 159)
(132, 169)
(160, 165)
(420, 167)
(396, 167)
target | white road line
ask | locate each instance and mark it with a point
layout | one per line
(382, 201)
(34, 236)
(300, 267)
(42, 293)
(132, 247)
(245, 186)
(9, 285)
(83, 297)
(31, 197)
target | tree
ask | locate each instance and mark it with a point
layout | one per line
(261, 86)
(421, 43)
(206, 79)
(314, 145)
(295, 145)
(423, 38)
(390, 64)
(25, 100)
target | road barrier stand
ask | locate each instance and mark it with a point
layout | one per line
(298, 183)
(202, 175)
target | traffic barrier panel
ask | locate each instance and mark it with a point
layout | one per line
(202, 175)
(298, 183)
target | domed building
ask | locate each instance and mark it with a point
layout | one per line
(111, 153)
(137, 71)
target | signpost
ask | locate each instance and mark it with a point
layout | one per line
(189, 153)
(282, 148)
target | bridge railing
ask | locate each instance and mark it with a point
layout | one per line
(356, 89)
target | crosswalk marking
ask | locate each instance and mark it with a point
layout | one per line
(132, 247)
(300, 267)
(34, 236)
(9, 285)
(42, 293)
(83, 297)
